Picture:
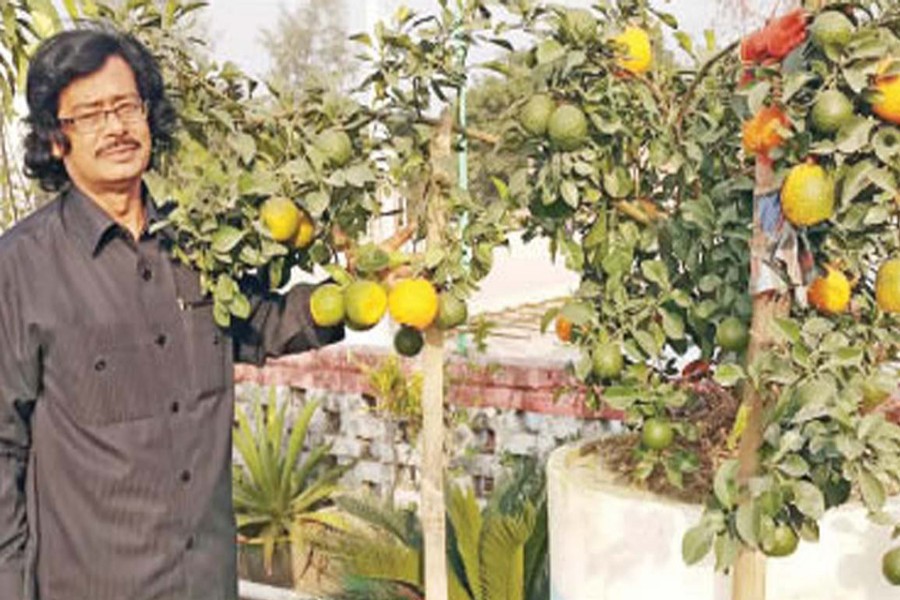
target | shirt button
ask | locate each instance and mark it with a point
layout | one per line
(189, 543)
(100, 365)
(146, 274)
(185, 476)
(175, 407)
(161, 340)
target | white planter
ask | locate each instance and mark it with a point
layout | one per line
(609, 542)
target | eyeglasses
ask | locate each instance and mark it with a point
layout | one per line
(126, 111)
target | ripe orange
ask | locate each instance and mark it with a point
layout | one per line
(638, 57)
(887, 105)
(763, 133)
(413, 302)
(365, 302)
(887, 286)
(830, 294)
(563, 329)
(281, 217)
(807, 196)
(306, 230)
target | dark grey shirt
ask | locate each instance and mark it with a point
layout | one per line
(116, 397)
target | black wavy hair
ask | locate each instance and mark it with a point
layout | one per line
(68, 56)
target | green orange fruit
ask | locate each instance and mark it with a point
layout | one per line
(568, 127)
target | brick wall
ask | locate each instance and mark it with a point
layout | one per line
(522, 408)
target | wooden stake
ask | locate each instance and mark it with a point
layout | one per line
(433, 510)
(749, 580)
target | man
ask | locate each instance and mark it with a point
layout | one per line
(115, 383)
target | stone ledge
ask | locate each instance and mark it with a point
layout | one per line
(526, 386)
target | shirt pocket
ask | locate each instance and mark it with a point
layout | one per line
(116, 377)
(207, 348)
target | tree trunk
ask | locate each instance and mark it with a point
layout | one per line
(433, 511)
(749, 580)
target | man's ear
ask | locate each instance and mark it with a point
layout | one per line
(59, 145)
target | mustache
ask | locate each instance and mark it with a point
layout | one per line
(122, 142)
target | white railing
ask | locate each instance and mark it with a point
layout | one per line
(248, 590)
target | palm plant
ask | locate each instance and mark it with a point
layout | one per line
(277, 492)
(498, 552)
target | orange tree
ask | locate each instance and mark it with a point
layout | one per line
(641, 174)
(636, 174)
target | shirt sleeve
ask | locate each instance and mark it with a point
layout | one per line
(280, 324)
(19, 375)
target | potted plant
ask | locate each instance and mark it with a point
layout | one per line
(281, 494)
(735, 225)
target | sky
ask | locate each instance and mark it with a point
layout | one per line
(235, 25)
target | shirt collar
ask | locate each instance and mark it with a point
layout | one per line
(90, 225)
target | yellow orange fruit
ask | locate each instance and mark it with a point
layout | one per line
(887, 286)
(807, 196)
(563, 329)
(887, 104)
(830, 294)
(763, 133)
(306, 230)
(281, 217)
(413, 302)
(326, 305)
(638, 57)
(365, 302)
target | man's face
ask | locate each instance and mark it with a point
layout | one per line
(104, 118)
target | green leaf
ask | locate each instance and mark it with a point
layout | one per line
(569, 192)
(793, 465)
(316, 203)
(856, 180)
(795, 82)
(757, 96)
(622, 397)
(789, 330)
(685, 42)
(371, 258)
(656, 272)
(696, 543)
(579, 313)
(725, 483)
(871, 489)
(549, 51)
(226, 238)
(746, 521)
(245, 146)
(240, 306)
(673, 324)
(854, 136)
(808, 499)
